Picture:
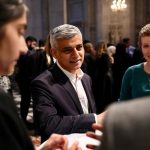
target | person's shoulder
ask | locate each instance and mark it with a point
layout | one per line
(133, 72)
(3, 93)
(6, 100)
(138, 66)
(135, 67)
(86, 77)
(43, 75)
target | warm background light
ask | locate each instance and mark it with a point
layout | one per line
(118, 5)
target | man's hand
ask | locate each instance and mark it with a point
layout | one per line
(57, 141)
(100, 118)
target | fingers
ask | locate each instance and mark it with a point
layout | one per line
(97, 135)
(93, 135)
(56, 141)
(89, 146)
(97, 127)
(75, 146)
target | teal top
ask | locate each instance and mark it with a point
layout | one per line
(135, 83)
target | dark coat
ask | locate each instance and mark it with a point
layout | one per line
(13, 134)
(57, 108)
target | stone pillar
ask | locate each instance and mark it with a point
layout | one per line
(34, 18)
(44, 15)
(56, 12)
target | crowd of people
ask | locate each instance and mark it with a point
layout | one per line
(72, 84)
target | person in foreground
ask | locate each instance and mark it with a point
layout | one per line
(126, 126)
(136, 80)
(62, 96)
(13, 133)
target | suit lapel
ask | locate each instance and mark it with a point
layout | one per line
(71, 91)
(88, 94)
(65, 82)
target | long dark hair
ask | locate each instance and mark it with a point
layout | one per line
(11, 10)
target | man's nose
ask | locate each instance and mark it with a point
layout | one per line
(75, 52)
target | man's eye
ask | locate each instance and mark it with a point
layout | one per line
(79, 47)
(67, 50)
(146, 46)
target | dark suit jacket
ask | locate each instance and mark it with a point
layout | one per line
(56, 105)
(13, 133)
(127, 126)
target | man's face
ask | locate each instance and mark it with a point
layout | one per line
(12, 44)
(31, 44)
(70, 53)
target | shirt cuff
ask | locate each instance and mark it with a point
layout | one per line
(95, 118)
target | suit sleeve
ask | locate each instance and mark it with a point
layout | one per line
(54, 112)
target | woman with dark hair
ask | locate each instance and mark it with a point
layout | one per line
(12, 28)
(13, 133)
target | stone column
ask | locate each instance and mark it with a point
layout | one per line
(56, 12)
(34, 18)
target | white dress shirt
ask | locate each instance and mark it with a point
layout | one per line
(75, 80)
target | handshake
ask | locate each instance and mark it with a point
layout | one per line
(57, 141)
(62, 142)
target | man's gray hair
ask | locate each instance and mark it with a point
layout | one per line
(64, 31)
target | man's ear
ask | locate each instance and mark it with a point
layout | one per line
(53, 52)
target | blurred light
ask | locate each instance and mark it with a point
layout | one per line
(118, 5)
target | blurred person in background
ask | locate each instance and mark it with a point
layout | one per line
(31, 42)
(29, 66)
(111, 50)
(102, 78)
(89, 57)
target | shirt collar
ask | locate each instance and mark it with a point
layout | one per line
(71, 76)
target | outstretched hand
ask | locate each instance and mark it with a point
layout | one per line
(57, 141)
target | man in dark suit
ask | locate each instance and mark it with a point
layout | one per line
(62, 96)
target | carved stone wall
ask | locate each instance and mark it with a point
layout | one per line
(142, 15)
(44, 15)
(94, 17)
